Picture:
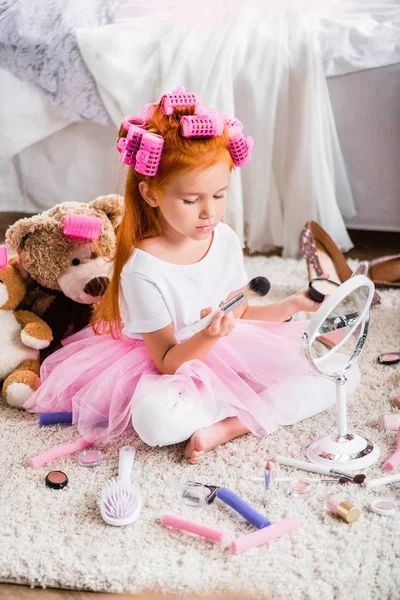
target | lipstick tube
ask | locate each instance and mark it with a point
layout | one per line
(343, 509)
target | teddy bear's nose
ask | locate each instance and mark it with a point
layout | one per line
(96, 286)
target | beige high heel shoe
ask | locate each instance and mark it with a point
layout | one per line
(323, 256)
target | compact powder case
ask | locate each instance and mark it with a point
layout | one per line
(56, 480)
(384, 506)
(389, 358)
(319, 288)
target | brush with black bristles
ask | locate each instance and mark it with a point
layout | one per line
(259, 286)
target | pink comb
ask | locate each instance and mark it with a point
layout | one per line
(132, 120)
(3, 256)
(148, 110)
(179, 97)
(85, 227)
(203, 125)
(141, 150)
(239, 146)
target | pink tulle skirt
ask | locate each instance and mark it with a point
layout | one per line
(258, 371)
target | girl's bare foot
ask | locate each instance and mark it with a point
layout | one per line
(213, 436)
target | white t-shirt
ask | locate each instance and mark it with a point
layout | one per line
(155, 293)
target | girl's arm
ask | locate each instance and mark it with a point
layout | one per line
(278, 311)
(168, 355)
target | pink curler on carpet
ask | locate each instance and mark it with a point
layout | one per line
(264, 536)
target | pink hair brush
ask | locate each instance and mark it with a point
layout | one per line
(3, 256)
(84, 227)
(118, 500)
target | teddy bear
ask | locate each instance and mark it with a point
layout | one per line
(22, 335)
(65, 275)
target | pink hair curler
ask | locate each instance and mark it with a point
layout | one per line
(239, 146)
(65, 450)
(179, 98)
(264, 536)
(229, 122)
(85, 227)
(394, 461)
(148, 110)
(193, 527)
(141, 150)
(203, 125)
(3, 256)
(133, 120)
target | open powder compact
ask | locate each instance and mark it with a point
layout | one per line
(56, 480)
(319, 288)
(389, 358)
(384, 506)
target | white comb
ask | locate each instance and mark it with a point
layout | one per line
(118, 500)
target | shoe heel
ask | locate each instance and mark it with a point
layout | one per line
(309, 251)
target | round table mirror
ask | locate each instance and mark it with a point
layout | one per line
(332, 344)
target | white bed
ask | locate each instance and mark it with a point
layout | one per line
(57, 160)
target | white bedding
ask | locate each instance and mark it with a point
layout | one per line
(265, 70)
(347, 44)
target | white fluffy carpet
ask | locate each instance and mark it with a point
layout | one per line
(58, 539)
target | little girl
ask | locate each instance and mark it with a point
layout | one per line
(176, 259)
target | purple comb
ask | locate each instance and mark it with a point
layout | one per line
(239, 146)
(85, 227)
(179, 98)
(3, 256)
(203, 125)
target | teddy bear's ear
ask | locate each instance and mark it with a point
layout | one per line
(112, 205)
(16, 234)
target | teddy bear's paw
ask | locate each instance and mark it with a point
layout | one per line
(33, 342)
(17, 394)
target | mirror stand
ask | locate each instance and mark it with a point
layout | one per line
(351, 451)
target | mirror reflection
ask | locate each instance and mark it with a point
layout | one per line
(341, 323)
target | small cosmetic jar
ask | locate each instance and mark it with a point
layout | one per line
(384, 506)
(319, 288)
(56, 480)
(89, 458)
(301, 489)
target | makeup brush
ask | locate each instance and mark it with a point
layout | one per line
(259, 286)
(323, 469)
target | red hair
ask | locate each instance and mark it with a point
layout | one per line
(140, 220)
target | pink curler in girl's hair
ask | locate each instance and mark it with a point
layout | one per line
(141, 150)
(148, 110)
(179, 98)
(203, 125)
(85, 227)
(133, 120)
(394, 461)
(239, 146)
(3, 256)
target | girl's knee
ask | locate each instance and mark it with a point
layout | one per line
(161, 419)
